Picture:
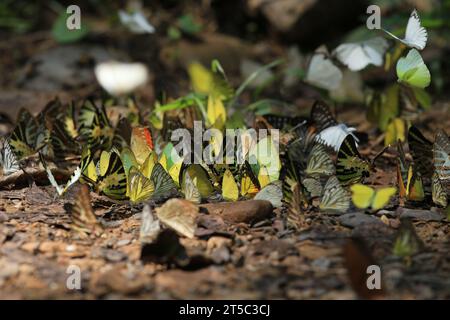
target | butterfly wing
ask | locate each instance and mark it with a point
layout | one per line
(382, 197)
(441, 156)
(112, 176)
(84, 220)
(24, 136)
(140, 188)
(335, 198)
(421, 150)
(273, 192)
(319, 162)
(322, 116)
(189, 187)
(164, 185)
(362, 196)
(323, 73)
(350, 167)
(8, 159)
(415, 36)
(230, 190)
(413, 71)
(437, 191)
(141, 143)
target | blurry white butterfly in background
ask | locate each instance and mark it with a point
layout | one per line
(121, 78)
(135, 22)
(8, 160)
(415, 36)
(322, 72)
(356, 56)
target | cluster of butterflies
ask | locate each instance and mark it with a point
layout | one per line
(313, 176)
(411, 70)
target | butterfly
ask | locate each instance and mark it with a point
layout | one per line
(335, 198)
(273, 192)
(421, 150)
(413, 189)
(23, 139)
(8, 160)
(331, 133)
(413, 71)
(141, 143)
(415, 36)
(364, 197)
(140, 188)
(441, 156)
(111, 175)
(357, 56)
(150, 227)
(322, 72)
(59, 120)
(190, 190)
(351, 167)
(94, 126)
(296, 203)
(438, 193)
(265, 160)
(319, 162)
(230, 189)
(181, 220)
(119, 78)
(164, 184)
(136, 22)
(60, 190)
(84, 220)
(395, 130)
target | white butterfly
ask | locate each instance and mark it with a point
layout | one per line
(357, 56)
(135, 22)
(150, 226)
(333, 136)
(191, 192)
(415, 36)
(121, 78)
(8, 160)
(323, 73)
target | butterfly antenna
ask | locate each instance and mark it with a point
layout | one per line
(379, 154)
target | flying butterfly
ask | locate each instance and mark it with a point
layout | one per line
(365, 197)
(415, 36)
(335, 198)
(351, 167)
(84, 220)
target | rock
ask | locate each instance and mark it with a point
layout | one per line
(3, 217)
(419, 215)
(114, 255)
(354, 219)
(123, 242)
(249, 211)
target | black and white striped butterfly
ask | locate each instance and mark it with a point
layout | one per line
(8, 159)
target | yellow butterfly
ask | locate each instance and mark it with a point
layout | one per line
(140, 188)
(366, 197)
(230, 190)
